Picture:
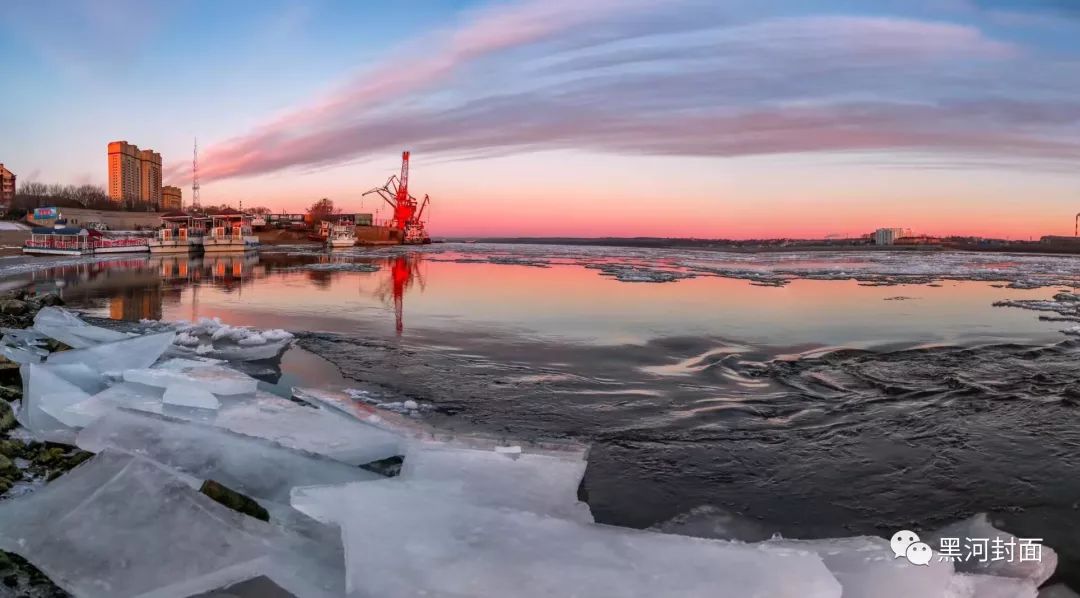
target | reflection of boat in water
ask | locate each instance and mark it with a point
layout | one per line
(341, 234)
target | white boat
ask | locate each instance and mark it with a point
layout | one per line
(59, 240)
(104, 244)
(180, 233)
(341, 235)
(230, 231)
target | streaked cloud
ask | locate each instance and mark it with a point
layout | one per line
(651, 77)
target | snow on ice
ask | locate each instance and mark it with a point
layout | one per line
(468, 515)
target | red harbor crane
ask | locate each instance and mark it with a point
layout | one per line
(408, 212)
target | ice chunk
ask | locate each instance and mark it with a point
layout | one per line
(710, 521)
(966, 585)
(123, 394)
(45, 396)
(186, 395)
(313, 430)
(1037, 571)
(136, 352)
(537, 482)
(1057, 591)
(66, 327)
(450, 548)
(866, 568)
(220, 380)
(254, 467)
(317, 431)
(120, 525)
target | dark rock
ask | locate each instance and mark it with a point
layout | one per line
(234, 500)
(5, 485)
(26, 579)
(7, 417)
(9, 373)
(10, 393)
(12, 448)
(8, 470)
(49, 299)
(13, 307)
(389, 467)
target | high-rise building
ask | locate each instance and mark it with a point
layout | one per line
(150, 178)
(172, 199)
(134, 176)
(888, 236)
(7, 186)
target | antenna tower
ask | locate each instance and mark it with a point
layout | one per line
(195, 176)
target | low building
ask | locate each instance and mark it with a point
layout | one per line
(172, 199)
(7, 187)
(888, 236)
(917, 240)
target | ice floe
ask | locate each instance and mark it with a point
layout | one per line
(210, 337)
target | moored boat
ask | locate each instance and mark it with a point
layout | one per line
(230, 231)
(59, 240)
(342, 234)
(179, 233)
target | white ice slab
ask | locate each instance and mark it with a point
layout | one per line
(966, 585)
(866, 568)
(448, 548)
(254, 467)
(45, 396)
(979, 527)
(121, 526)
(186, 395)
(135, 352)
(541, 483)
(220, 380)
(64, 326)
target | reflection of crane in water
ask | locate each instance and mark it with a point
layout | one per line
(403, 271)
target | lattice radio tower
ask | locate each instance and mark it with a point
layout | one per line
(195, 176)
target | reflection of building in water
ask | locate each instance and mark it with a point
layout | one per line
(136, 303)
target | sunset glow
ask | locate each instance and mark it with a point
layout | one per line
(563, 118)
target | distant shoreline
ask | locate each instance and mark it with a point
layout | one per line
(766, 246)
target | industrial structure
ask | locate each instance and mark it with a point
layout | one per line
(7, 187)
(407, 222)
(134, 176)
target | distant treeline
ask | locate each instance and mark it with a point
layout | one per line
(40, 195)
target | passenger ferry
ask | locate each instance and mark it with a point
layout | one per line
(58, 240)
(230, 231)
(179, 233)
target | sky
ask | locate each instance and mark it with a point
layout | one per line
(675, 118)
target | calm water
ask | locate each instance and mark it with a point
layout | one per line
(818, 394)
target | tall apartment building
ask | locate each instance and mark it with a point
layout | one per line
(134, 175)
(172, 199)
(888, 236)
(7, 186)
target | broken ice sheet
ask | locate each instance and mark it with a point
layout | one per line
(66, 327)
(120, 525)
(270, 417)
(979, 526)
(189, 395)
(451, 548)
(866, 568)
(134, 352)
(529, 481)
(218, 379)
(248, 465)
(45, 397)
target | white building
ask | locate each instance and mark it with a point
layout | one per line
(888, 236)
